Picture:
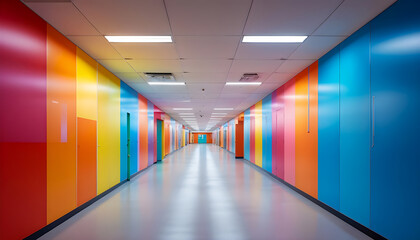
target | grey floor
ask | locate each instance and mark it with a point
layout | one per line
(202, 192)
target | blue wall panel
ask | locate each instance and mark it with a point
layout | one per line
(329, 128)
(355, 126)
(247, 127)
(129, 103)
(395, 156)
(267, 139)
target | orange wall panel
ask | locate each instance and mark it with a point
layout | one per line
(143, 133)
(306, 149)
(61, 125)
(86, 160)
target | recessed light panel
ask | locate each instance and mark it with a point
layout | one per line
(139, 39)
(243, 83)
(166, 83)
(274, 39)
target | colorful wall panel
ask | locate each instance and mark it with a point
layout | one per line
(129, 131)
(63, 133)
(87, 116)
(23, 124)
(108, 129)
(355, 126)
(394, 166)
(349, 135)
(329, 129)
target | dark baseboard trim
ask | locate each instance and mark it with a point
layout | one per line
(369, 232)
(64, 218)
(239, 157)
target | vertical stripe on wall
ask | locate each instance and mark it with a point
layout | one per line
(129, 104)
(252, 135)
(329, 129)
(61, 125)
(267, 132)
(355, 126)
(151, 132)
(87, 105)
(258, 133)
(306, 148)
(289, 132)
(277, 110)
(247, 126)
(143, 133)
(108, 130)
(23, 93)
(395, 163)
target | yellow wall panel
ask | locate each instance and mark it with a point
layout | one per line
(258, 133)
(87, 89)
(108, 130)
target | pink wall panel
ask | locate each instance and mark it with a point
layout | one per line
(278, 132)
(289, 131)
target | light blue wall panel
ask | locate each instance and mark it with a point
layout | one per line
(355, 126)
(247, 127)
(329, 128)
(395, 156)
(267, 133)
(129, 103)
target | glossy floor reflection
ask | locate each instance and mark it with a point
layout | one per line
(202, 192)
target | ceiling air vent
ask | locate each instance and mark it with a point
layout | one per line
(159, 77)
(249, 77)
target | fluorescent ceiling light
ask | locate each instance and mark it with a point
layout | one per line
(182, 109)
(274, 39)
(166, 83)
(243, 83)
(223, 109)
(139, 39)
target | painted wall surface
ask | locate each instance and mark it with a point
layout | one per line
(347, 124)
(64, 133)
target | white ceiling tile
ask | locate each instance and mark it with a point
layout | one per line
(126, 17)
(315, 47)
(206, 47)
(96, 46)
(204, 95)
(352, 15)
(63, 16)
(255, 66)
(216, 17)
(280, 77)
(205, 65)
(237, 91)
(146, 50)
(156, 65)
(208, 88)
(288, 17)
(265, 50)
(129, 77)
(211, 77)
(294, 66)
(116, 65)
(267, 88)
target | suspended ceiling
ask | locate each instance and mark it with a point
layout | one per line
(207, 51)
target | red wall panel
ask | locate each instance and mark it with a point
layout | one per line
(23, 93)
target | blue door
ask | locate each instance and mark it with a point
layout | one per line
(202, 138)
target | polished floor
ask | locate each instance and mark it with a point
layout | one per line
(202, 192)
